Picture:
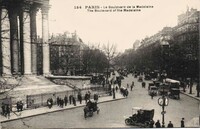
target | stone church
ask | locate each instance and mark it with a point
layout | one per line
(18, 44)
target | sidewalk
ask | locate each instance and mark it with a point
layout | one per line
(194, 92)
(55, 108)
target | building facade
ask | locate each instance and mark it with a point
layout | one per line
(186, 37)
(175, 49)
(18, 44)
(65, 54)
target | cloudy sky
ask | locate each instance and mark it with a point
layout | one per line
(120, 28)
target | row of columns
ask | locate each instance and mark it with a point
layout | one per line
(18, 40)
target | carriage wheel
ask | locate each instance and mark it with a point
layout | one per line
(128, 121)
(146, 124)
(91, 113)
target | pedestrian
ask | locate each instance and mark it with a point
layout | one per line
(80, 98)
(48, 103)
(3, 109)
(170, 125)
(127, 86)
(152, 95)
(18, 106)
(132, 85)
(58, 101)
(70, 99)
(51, 101)
(182, 123)
(126, 93)
(143, 84)
(116, 88)
(74, 101)
(96, 97)
(86, 97)
(157, 124)
(89, 93)
(21, 105)
(8, 110)
(113, 93)
(65, 100)
(61, 103)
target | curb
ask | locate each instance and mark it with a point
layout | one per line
(62, 109)
(191, 96)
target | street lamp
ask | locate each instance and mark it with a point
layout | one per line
(165, 54)
(163, 101)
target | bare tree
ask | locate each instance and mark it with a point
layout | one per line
(111, 52)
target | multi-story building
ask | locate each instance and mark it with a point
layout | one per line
(65, 54)
(186, 36)
(182, 41)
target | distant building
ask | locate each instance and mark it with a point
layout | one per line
(187, 33)
(136, 44)
(165, 34)
(178, 47)
(65, 54)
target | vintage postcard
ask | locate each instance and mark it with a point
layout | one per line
(99, 64)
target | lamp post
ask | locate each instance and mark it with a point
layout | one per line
(165, 54)
(163, 101)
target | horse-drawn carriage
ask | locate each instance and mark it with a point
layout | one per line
(90, 108)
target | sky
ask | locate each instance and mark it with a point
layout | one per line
(119, 28)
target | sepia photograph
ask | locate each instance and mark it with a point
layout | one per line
(99, 64)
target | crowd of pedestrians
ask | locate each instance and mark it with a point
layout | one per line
(71, 99)
(169, 125)
(20, 106)
(6, 109)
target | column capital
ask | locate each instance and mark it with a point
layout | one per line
(25, 7)
(45, 9)
(34, 9)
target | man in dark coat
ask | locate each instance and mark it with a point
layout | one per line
(21, 105)
(65, 100)
(96, 97)
(132, 86)
(58, 101)
(61, 103)
(157, 124)
(143, 84)
(170, 125)
(3, 107)
(74, 101)
(86, 97)
(182, 123)
(8, 111)
(48, 103)
(79, 96)
(70, 99)
(18, 106)
(126, 92)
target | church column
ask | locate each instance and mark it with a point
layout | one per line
(45, 37)
(14, 40)
(33, 12)
(26, 40)
(5, 42)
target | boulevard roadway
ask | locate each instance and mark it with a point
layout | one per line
(112, 114)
